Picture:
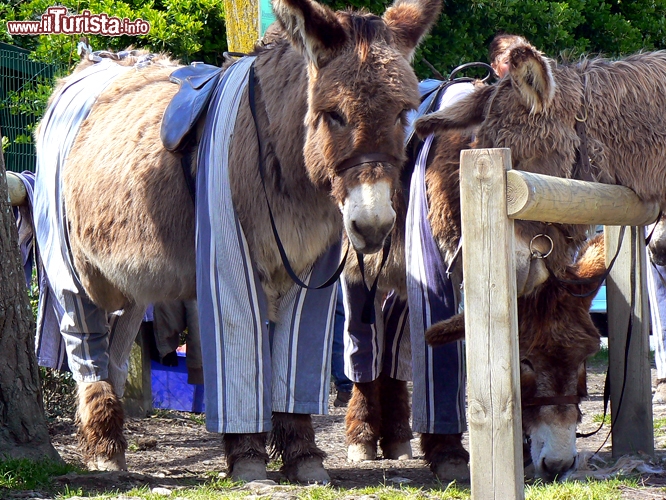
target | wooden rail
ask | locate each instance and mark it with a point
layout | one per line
(17, 192)
(492, 195)
(553, 199)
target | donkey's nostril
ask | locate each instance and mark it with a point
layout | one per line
(372, 233)
(556, 467)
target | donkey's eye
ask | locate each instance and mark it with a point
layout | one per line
(335, 118)
(402, 117)
(527, 364)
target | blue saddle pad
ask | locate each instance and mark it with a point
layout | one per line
(197, 82)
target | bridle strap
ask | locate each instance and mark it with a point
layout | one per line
(360, 159)
(262, 168)
(554, 400)
(368, 312)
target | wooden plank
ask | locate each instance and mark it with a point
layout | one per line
(17, 192)
(553, 199)
(491, 326)
(633, 429)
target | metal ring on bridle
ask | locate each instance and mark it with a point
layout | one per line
(535, 253)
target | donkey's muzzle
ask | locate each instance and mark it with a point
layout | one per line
(369, 216)
(371, 237)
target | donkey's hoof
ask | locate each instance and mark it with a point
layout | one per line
(248, 469)
(452, 469)
(358, 452)
(116, 462)
(309, 471)
(397, 451)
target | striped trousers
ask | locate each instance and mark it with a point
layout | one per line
(252, 367)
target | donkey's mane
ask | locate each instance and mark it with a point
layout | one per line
(367, 28)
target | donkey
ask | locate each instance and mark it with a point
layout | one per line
(598, 119)
(331, 103)
(556, 337)
(379, 410)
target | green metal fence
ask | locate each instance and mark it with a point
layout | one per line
(24, 89)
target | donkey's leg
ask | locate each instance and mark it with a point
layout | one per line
(293, 440)
(363, 421)
(86, 333)
(396, 432)
(100, 420)
(445, 455)
(246, 456)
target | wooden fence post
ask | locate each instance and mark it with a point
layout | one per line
(632, 421)
(491, 327)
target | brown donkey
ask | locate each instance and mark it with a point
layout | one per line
(331, 103)
(379, 411)
(556, 336)
(597, 119)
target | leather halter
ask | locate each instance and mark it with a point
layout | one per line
(341, 167)
(360, 159)
(553, 400)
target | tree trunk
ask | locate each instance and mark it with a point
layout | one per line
(23, 430)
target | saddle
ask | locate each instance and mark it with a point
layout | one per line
(197, 82)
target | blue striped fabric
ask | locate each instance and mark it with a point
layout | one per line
(656, 285)
(438, 404)
(252, 367)
(381, 347)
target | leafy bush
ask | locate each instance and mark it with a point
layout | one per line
(188, 29)
(570, 28)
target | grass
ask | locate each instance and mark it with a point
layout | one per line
(599, 417)
(198, 418)
(23, 474)
(600, 359)
(576, 490)
(659, 427)
(26, 475)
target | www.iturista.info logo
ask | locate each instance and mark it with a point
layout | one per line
(55, 21)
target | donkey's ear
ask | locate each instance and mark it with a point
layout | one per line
(410, 21)
(469, 112)
(532, 76)
(591, 264)
(312, 28)
(446, 331)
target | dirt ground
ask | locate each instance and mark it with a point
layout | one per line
(172, 449)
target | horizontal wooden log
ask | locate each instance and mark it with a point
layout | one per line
(554, 199)
(17, 192)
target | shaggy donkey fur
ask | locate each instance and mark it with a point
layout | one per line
(379, 412)
(100, 418)
(293, 440)
(445, 455)
(243, 451)
(533, 111)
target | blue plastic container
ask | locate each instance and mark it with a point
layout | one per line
(171, 390)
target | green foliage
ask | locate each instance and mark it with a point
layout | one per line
(567, 28)
(188, 29)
